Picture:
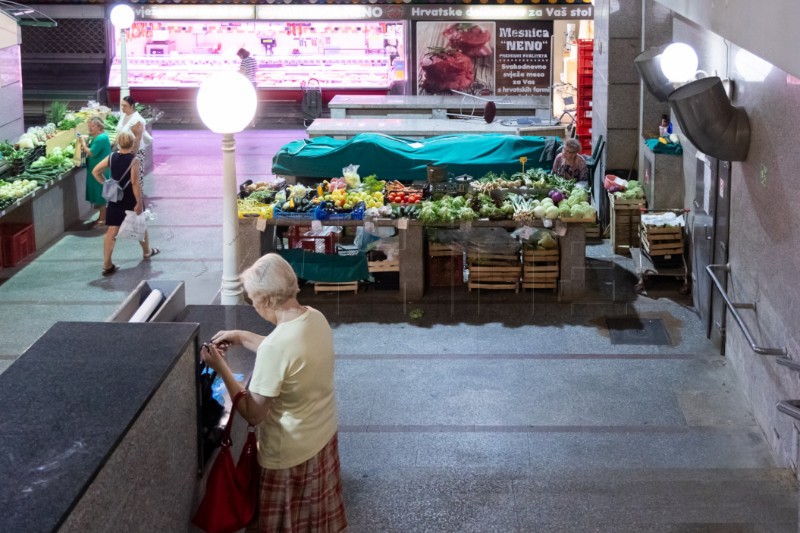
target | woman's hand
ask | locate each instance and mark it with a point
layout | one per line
(138, 208)
(213, 357)
(223, 339)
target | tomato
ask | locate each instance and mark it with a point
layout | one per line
(392, 197)
(401, 195)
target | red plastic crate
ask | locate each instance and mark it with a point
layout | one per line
(18, 241)
(320, 245)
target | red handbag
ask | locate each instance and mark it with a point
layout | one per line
(231, 497)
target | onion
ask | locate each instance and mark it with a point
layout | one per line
(556, 196)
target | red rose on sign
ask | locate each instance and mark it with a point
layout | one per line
(469, 38)
(446, 69)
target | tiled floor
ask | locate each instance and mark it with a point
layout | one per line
(493, 412)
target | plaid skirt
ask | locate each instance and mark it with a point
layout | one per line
(306, 498)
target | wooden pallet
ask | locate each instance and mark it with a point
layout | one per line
(625, 218)
(661, 240)
(540, 269)
(494, 271)
(335, 287)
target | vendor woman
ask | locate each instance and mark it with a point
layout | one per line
(570, 164)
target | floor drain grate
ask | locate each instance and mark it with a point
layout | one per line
(642, 331)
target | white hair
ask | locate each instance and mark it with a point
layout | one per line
(270, 281)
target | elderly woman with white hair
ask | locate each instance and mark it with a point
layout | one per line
(292, 401)
(570, 164)
(96, 148)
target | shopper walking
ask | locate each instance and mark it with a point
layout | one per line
(248, 66)
(96, 148)
(291, 399)
(133, 122)
(126, 173)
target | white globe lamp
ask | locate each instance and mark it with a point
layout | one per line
(679, 62)
(226, 103)
(122, 17)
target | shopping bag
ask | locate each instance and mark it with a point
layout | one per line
(133, 227)
(231, 496)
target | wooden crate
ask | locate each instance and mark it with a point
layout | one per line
(444, 250)
(445, 265)
(661, 240)
(540, 269)
(384, 266)
(335, 287)
(493, 271)
(61, 140)
(592, 231)
(625, 218)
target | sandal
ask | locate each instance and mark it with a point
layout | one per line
(153, 251)
(110, 270)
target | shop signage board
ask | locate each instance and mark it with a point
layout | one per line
(502, 58)
(299, 12)
(523, 58)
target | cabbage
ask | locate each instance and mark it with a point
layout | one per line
(551, 212)
(539, 211)
(26, 141)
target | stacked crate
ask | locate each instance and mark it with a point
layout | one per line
(625, 217)
(445, 266)
(661, 243)
(540, 269)
(493, 270)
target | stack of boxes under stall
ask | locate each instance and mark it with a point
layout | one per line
(625, 219)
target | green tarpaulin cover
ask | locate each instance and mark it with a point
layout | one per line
(406, 159)
(664, 148)
(328, 268)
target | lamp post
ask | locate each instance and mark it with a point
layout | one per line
(122, 17)
(226, 103)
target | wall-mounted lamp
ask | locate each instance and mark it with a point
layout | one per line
(702, 107)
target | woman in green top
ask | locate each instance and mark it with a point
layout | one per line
(97, 149)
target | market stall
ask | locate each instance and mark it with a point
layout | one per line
(531, 209)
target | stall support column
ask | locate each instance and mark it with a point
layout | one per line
(573, 263)
(412, 262)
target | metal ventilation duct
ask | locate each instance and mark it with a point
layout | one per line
(648, 63)
(709, 120)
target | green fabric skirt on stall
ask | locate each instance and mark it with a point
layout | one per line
(327, 268)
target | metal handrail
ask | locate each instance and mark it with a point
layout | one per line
(790, 407)
(733, 309)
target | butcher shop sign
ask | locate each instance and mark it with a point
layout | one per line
(523, 58)
(484, 57)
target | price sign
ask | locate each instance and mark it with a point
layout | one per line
(369, 226)
(261, 224)
(402, 223)
(316, 225)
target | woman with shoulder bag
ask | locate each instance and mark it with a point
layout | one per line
(292, 401)
(125, 172)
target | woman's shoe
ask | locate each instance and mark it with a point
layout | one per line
(110, 270)
(153, 251)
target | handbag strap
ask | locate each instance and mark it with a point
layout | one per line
(226, 436)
